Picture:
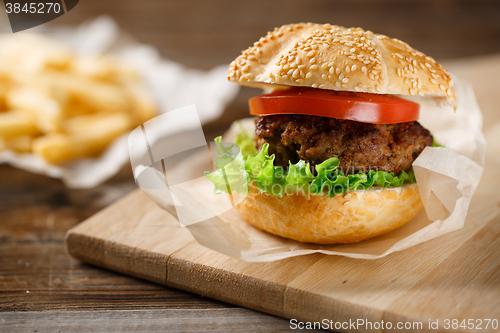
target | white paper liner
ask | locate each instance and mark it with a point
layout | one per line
(171, 84)
(446, 177)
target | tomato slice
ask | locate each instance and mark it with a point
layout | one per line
(362, 107)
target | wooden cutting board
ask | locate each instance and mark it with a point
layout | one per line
(454, 277)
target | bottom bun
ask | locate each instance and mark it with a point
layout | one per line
(346, 218)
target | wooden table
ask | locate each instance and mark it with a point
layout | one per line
(43, 289)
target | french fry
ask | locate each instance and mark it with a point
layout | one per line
(20, 143)
(16, 122)
(87, 136)
(101, 96)
(103, 68)
(144, 107)
(3, 94)
(45, 109)
(75, 108)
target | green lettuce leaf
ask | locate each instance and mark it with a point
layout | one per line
(235, 170)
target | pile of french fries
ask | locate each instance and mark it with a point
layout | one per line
(62, 106)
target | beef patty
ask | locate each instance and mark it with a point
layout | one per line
(358, 146)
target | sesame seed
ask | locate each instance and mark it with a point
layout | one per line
(371, 76)
(337, 84)
(313, 67)
(245, 69)
(324, 66)
(337, 71)
(301, 66)
(442, 87)
(311, 54)
(332, 70)
(433, 81)
(345, 80)
(322, 86)
(347, 69)
(353, 67)
(341, 76)
(285, 77)
(448, 92)
(314, 85)
(308, 75)
(324, 76)
(363, 69)
(312, 61)
(296, 73)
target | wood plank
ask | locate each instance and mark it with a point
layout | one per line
(172, 320)
(468, 282)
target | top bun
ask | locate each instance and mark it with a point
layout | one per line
(336, 58)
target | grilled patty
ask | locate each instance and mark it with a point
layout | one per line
(358, 146)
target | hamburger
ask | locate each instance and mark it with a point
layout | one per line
(330, 159)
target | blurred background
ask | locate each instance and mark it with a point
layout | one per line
(203, 34)
(36, 211)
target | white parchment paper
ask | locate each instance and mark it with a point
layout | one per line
(172, 85)
(446, 177)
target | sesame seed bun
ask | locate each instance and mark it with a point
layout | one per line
(346, 218)
(332, 57)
